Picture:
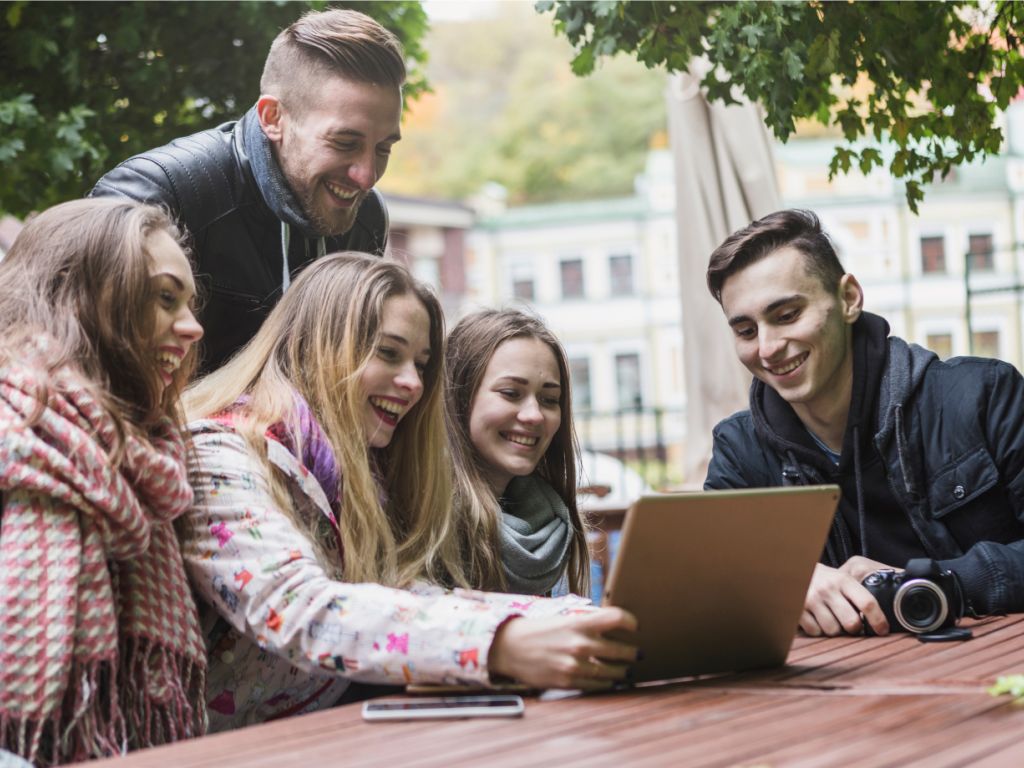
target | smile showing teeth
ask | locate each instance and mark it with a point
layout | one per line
(168, 361)
(522, 439)
(789, 367)
(388, 406)
(340, 192)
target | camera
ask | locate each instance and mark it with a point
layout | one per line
(923, 598)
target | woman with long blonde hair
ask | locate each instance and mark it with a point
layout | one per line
(99, 639)
(323, 538)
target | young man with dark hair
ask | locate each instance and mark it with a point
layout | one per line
(929, 454)
(291, 180)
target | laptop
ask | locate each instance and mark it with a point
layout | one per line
(717, 579)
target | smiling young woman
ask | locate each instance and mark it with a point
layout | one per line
(512, 442)
(92, 475)
(323, 539)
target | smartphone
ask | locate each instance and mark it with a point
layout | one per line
(443, 707)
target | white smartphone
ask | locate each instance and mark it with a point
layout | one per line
(443, 707)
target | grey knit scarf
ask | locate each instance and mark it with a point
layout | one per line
(535, 536)
(269, 177)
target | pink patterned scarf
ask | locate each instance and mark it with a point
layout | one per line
(100, 649)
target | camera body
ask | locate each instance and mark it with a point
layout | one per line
(923, 598)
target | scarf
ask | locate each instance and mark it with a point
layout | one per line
(278, 195)
(100, 649)
(535, 536)
(269, 177)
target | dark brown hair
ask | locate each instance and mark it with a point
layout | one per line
(339, 43)
(471, 344)
(79, 273)
(794, 228)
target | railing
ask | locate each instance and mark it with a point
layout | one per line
(637, 436)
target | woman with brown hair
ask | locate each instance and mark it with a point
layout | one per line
(99, 643)
(511, 437)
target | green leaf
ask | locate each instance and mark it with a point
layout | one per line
(1012, 685)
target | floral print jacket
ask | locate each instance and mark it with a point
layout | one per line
(285, 638)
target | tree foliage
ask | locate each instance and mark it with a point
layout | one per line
(85, 85)
(507, 108)
(930, 77)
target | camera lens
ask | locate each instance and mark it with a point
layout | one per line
(920, 606)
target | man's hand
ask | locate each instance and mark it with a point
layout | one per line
(859, 567)
(836, 600)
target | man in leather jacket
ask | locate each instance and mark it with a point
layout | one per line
(290, 181)
(929, 455)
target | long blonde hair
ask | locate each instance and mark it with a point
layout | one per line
(395, 519)
(471, 345)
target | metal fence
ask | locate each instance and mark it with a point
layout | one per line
(637, 436)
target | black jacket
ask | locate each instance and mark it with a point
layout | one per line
(950, 436)
(207, 181)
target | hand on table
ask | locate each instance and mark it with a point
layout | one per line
(564, 651)
(836, 600)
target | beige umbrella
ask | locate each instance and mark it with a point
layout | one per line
(725, 178)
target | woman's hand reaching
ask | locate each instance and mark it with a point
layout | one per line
(564, 651)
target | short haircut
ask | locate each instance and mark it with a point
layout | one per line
(338, 43)
(794, 228)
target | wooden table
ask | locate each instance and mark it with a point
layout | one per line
(838, 702)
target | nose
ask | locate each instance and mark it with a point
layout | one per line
(187, 328)
(770, 344)
(410, 379)
(363, 171)
(530, 412)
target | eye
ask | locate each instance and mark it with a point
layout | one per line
(384, 151)
(167, 298)
(387, 353)
(421, 365)
(789, 316)
(510, 394)
(551, 402)
(744, 331)
(345, 146)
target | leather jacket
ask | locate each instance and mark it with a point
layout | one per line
(207, 182)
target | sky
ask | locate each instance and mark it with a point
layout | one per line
(461, 10)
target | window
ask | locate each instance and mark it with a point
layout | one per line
(572, 278)
(579, 375)
(522, 280)
(985, 343)
(979, 253)
(621, 272)
(627, 380)
(941, 344)
(933, 254)
(522, 288)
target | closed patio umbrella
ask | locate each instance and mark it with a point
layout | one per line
(725, 178)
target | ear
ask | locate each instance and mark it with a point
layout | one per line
(851, 298)
(271, 114)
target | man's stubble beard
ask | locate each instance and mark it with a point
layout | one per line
(321, 224)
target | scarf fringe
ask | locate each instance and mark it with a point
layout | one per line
(155, 707)
(167, 700)
(81, 729)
